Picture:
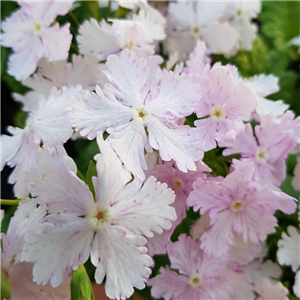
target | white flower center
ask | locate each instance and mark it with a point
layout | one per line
(141, 113)
(98, 217)
(195, 281)
(238, 205)
(196, 31)
(239, 12)
(37, 27)
(177, 183)
(217, 113)
(261, 155)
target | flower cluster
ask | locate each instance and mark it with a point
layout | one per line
(156, 123)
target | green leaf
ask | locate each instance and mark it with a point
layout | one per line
(94, 8)
(81, 287)
(91, 172)
(5, 288)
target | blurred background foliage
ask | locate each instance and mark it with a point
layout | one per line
(278, 23)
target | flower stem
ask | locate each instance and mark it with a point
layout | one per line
(10, 201)
(74, 18)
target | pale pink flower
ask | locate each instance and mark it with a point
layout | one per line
(199, 276)
(239, 14)
(191, 21)
(223, 106)
(48, 124)
(138, 34)
(295, 42)
(83, 70)
(128, 105)
(19, 273)
(237, 205)
(182, 184)
(271, 290)
(268, 149)
(29, 33)
(109, 230)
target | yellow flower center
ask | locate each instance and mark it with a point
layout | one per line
(98, 217)
(130, 46)
(37, 28)
(195, 31)
(195, 281)
(217, 113)
(238, 205)
(261, 155)
(177, 183)
(141, 113)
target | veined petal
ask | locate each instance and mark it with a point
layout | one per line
(123, 272)
(180, 144)
(147, 211)
(128, 74)
(176, 95)
(112, 175)
(129, 141)
(95, 112)
(48, 244)
(54, 182)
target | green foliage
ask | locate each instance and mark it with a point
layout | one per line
(91, 172)
(81, 287)
(5, 288)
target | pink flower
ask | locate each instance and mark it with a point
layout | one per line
(189, 22)
(84, 71)
(29, 33)
(129, 105)
(182, 184)
(268, 149)
(223, 107)
(109, 230)
(199, 275)
(19, 273)
(237, 205)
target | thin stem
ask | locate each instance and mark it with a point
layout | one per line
(10, 202)
(74, 18)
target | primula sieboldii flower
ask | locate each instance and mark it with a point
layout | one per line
(128, 105)
(83, 70)
(268, 149)
(191, 21)
(29, 33)
(265, 85)
(19, 273)
(271, 290)
(131, 4)
(296, 178)
(199, 276)
(239, 14)
(233, 204)
(295, 42)
(109, 230)
(138, 34)
(49, 124)
(223, 106)
(182, 184)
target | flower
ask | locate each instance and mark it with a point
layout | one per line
(84, 71)
(189, 22)
(19, 273)
(237, 205)
(128, 105)
(182, 184)
(223, 106)
(29, 33)
(109, 230)
(199, 275)
(268, 149)
(49, 124)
